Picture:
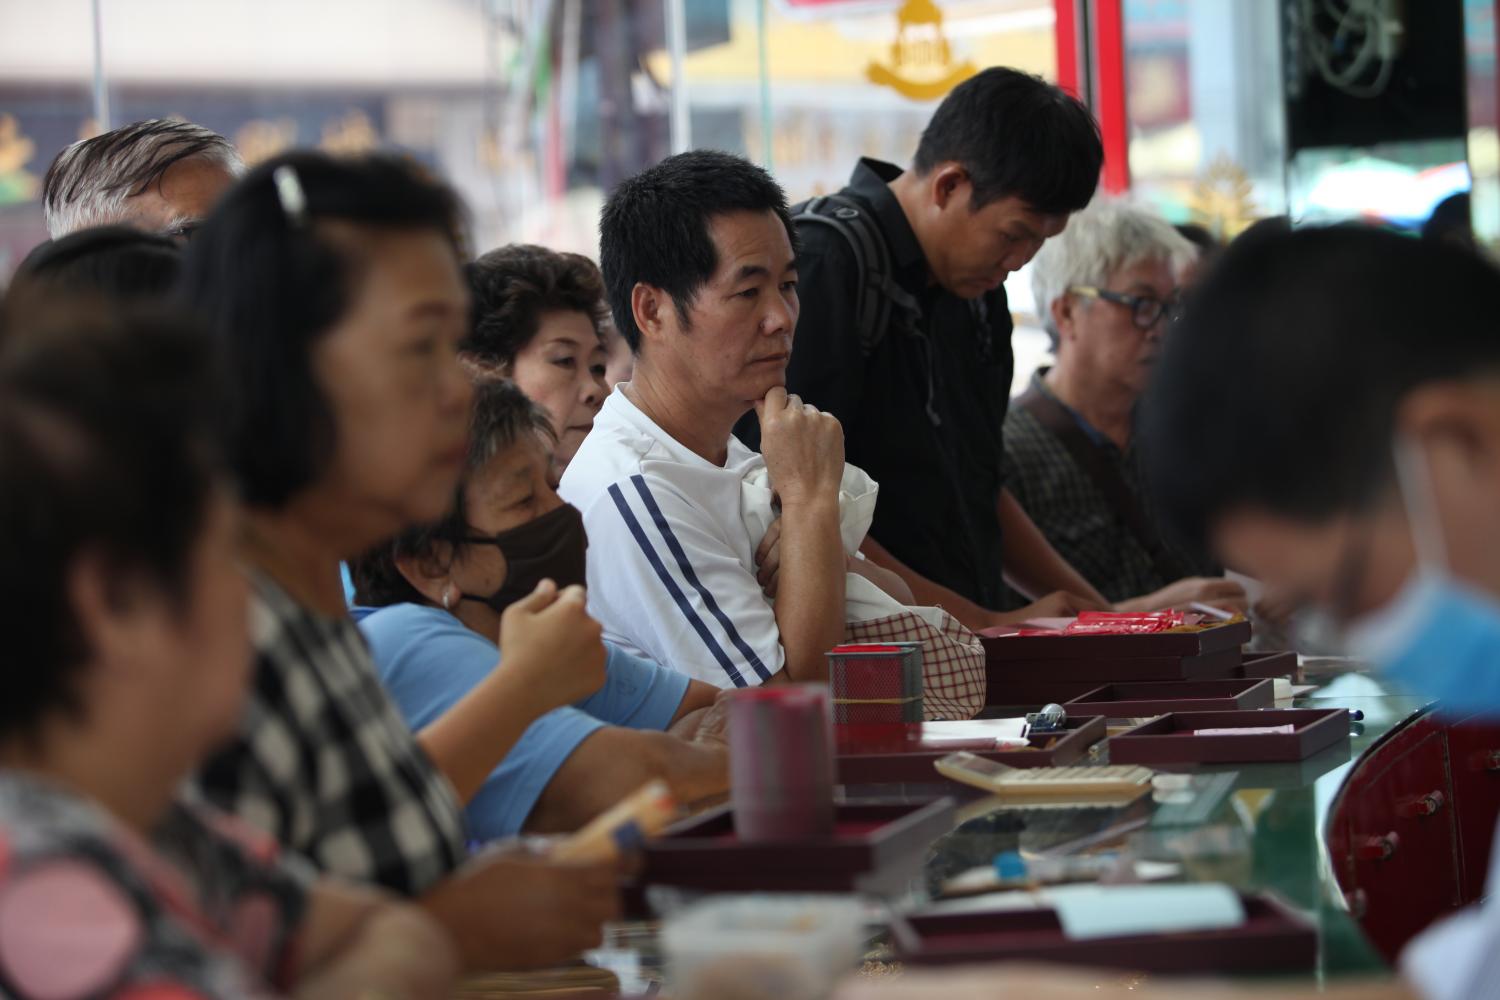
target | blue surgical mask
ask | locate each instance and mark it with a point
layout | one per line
(1438, 637)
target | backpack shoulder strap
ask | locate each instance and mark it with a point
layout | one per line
(1053, 416)
(878, 291)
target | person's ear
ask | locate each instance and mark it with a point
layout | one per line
(431, 575)
(949, 185)
(651, 307)
(114, 614)
(1064, 310)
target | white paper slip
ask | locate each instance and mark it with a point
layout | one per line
(1285, 730)
(1003, 732)
(1100, 911)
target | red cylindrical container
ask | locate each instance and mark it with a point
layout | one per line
(781, 762)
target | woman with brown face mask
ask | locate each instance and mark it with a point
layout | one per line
(432, 602)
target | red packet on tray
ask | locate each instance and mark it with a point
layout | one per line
(1099, 635)
(1119, 623)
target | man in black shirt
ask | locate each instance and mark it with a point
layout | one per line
(905, 336)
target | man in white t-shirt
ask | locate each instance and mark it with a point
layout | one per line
(701, 271)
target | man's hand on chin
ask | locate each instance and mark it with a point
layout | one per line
(803, 448)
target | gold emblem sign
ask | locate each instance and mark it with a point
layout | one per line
(1221, 199)
(921, 65)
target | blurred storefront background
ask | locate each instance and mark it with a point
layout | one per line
(535, 108)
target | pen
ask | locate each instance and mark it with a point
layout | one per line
(1212, 612)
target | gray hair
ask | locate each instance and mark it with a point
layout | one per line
(90, 181)
(1103, 238)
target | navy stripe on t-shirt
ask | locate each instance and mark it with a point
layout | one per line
(665, 575)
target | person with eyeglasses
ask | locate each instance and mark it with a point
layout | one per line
(1106, 290)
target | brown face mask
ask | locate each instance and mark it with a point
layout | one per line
(552, 547)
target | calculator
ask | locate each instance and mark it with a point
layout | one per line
(1118, 783)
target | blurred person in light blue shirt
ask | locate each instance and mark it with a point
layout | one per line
(1327, 416)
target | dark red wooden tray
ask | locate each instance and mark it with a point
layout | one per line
(1170, 738)
(1231, 635)
(1273, 938)
(1129, 701)
(1269, 665)
(895, 754)
(1023, 682)
(870, 836)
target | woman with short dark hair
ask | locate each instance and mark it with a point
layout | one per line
(127, 653)
(335, 289)
(537, 316)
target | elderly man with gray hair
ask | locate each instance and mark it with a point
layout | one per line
(1105, 290)
(159, 175)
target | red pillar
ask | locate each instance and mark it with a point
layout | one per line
(1065, 33)
(1109, 92)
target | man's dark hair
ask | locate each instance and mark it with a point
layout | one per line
(116, 263)
(655, 227)
(515, 286)
(502, 415)
(269, 281)
(1279, 387)
(1207, 243)
(1016, 135)
(88, 183)
(109, 447)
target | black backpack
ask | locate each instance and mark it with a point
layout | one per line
(879, 293)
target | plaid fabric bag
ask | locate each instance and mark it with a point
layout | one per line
(953, 676)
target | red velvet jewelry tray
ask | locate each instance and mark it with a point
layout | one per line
(1022, 682)
(1272, 938)
(1270, 665)
(1231, 635)
(1131, 700)
(1171, 739)
(895, 754)
(870, 837)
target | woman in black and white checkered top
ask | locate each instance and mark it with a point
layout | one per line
(335, 290)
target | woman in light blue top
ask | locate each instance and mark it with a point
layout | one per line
(433, 604)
